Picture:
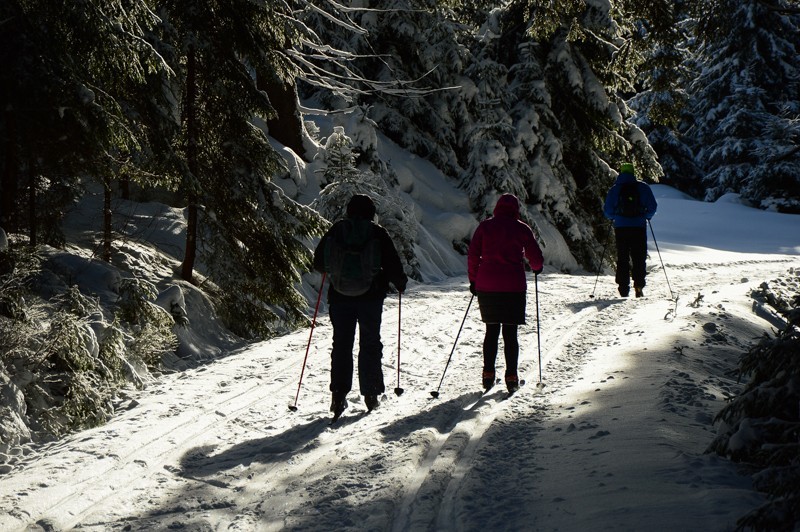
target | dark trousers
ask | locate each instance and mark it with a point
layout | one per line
(510, 346)
(631, 255)
(344, 317)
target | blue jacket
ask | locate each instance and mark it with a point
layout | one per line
(645, 196)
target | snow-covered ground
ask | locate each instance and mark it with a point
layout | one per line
(614, 440)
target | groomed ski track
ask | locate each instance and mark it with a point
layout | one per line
(218, 444)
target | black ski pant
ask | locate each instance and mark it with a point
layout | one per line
(345, 315)
(510, 346)
(631, 255)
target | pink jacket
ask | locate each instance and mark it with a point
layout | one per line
(494, 260)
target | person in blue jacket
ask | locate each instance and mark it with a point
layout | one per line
(630, 204)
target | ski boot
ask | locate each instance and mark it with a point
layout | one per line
(338, 404)
(488, 380)
(512, 383)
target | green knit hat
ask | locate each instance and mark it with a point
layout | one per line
(626, 168)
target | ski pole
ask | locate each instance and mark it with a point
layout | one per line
(672, 295)
(538, 336)
(435, 394)
(293, 407)
(602, 256)
(398, 390)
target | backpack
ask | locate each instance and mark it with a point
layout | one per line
(352, 256)
(629, 205)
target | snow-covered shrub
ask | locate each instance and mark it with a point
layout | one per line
(20, 317)
(13, 429)
(18, 267)
(761, 426)
(50, 353)
(62, 361)
(77, 394)
(150, 326)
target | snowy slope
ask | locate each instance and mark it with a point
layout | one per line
(615, 440)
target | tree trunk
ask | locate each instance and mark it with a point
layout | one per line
(8, 185)
(32, 208)
(287, 127)
(187, 268)
(107, 220)
(125, 186)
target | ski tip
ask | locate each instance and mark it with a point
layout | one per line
(435, 395)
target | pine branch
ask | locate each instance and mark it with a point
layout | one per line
(785, 10)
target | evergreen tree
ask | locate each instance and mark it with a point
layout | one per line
(759, 427)
(746, 100)
(579, 129)
(661, 99)
(588, 64)
(344, 177)
(76, 101)
(247, 233)
(534, 104)
(340, 161)
(490, 134)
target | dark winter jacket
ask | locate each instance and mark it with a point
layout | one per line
(646, 197)
(391, 267)
(495, 257)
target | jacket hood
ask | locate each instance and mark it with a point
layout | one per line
(507, 205)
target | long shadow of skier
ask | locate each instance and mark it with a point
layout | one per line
(600, 303)
(442, 417)
(201, 461)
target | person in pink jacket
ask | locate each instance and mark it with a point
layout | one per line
(496, 272)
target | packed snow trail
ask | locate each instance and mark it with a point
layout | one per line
(615, 439)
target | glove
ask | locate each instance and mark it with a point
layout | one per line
(472, 289)
(537, 272)
(401, 287)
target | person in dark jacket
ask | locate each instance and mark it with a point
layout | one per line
(496, 274)
(630, 230)
(346, 311)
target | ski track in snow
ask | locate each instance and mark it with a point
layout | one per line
(217, 448)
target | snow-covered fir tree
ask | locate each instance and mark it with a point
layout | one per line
(663, 38)
(581, 132)
(248, 234)
(746, 101)
(490, 135)
(470, 132)
(759, 426)
(78, 102)
(345, 176)
(340, 162)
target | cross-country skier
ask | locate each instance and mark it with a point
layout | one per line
(364, 309)
(496, 273)
(630, 203)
